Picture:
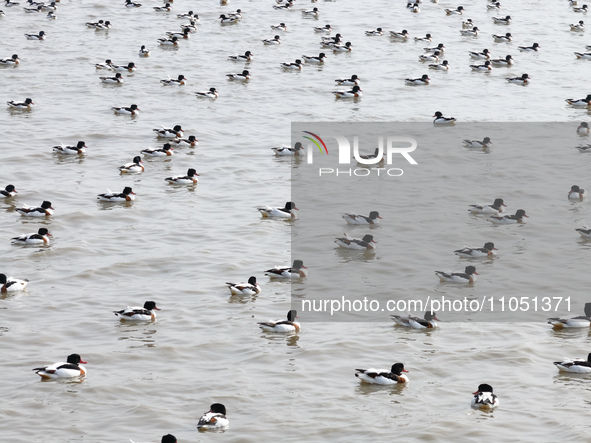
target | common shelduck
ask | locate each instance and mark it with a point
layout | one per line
(179, 81)
(131, 110)
(165, 151)
(502, 20)
(583, 128)
(26, 105)
(485, 143)
(429, 321)
(190, 142)
(147, 313)
(509, 219)
(441, 120)
(458, 277)
(244, 76)
(212, 93)
(353, 81)
(355, 92)
(576, 193)
(289, 325)
(125, 196)
(113, 80)
(12, 61)
(286, 212)
(246, 57)
(39, 211)
(424, 80)
(286, 150)
(215, 419)
(79, 149)
(8, 192)
(576, 365)
(503, 62)
(70, 369)
(523, 80)
(582, 102)
(294, 271)
(402, 35)
(485, 251)
(250, 288)
(134, 167)
(383, 376)
(189, 179)
(9, 284)
(532, 48)
(175, 132)
(484, 55)
(484, 397)
(40, 36)
(494, 209)
(458, 11)
(315, 59)
(367, 243)
(443, 66)
(582, 321)
(355, 219)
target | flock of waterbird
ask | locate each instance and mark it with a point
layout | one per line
(216, 418)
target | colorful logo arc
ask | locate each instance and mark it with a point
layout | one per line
(315, 142)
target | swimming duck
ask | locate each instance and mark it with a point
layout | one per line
(165, 151)
(326, 29)
(288, 325)
(80, 148)
(114, 80)
(509, 219)
(41, 237)
(430, 57)
(215, 419)
(578, 27)
(493, 6)
(484, 55)
(95, 24)
(175, 132)
(40, 36)
(347, 47)
(470, 32)
(331, 41)
(502, 38)
(179, 81)
(27, 104)
(246, 57)
(485, 143)
(228, 20)
(583, 128)
(582, 102)
(383, 376)
(375, 32)
(353, 81)
(426, 38)
(70, 369)
(366, 243)
(130, 4)
(272, 41)
(104, 26)
(523, 80)
(443, 66)
(189, 179)
(134, 167)
(287, 5)
(39, 211)
(286, 150)
(582, 321)
(51, 15)
(355, 219)
(244, 76)
(314, 59)
(8, 192)
(484, 397)
(495, 208)
(211, 93)
(10, 4)
(439, 48)
(311, 13)
(502, 20)
(187, 15)
(237, 14)
(501, 62)
(297, 66)
(168, 42)
(132, 110)
(467, 24)
(165, 8)
(107, 65)
(356, 92)
(147, 313)
(285, 212)
(373, 156)
(576, 193)
(424, 80)
(458, 277)
(486, 67)
(458, 11)
(429, 321)
(295, 271)
(12, 61)
(485, 251)
(583, 9)
(531, 48)
(584, 148)
(190, 142)
(403, 35)
(125, 196)
(279, 27)
(583, 55)
(185, 33)
(441, 120)
(192, 26)
(51, 7)
(578, 366)
(31, 10)
(12, 284)
(130, 67)
(250, 288)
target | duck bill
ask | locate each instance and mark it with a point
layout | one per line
(477, 392)
(476, 273)
(404, 370)
(83, 362)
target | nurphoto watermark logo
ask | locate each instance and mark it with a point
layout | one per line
(378, 162)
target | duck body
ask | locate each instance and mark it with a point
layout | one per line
(355, 92)
(282, 326)
(147, 313)
(353, 81)
(581, 321)
(286, 212)
(8, 192)
(40, 211)
(287, 151)
(71, 369)
(577, 366)
(131, 110)
(244, 76)
(503, 62)
(117, 80)
(38, 238)
(580, 103)
(190, 142)
(313, 59)
(440, 120)
(495, 208)
(250, 288)
(355, 219)
(40, 36)
(134, 167)
(165, 151)
(9, 284)
(144, 52)
(367, 243)
(12, 61)
(509, 219)
(211, 94)
(484, 398)
(403, 35)
(125, 196)
(189, 179)
(26, 105)
(502, 38)
(295, 271)
(484, 144)
(176, 132)
(458, 277)
(485, 251)
(423, 81)
(297, 66)
(484, 55)
(429, 321)
(215, 419)
(532, 48)
(523, 80)
(443, 66)
(383, 376)
(577, 193)
(180, 81)
(79, 149)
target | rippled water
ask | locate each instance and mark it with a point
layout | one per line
(178, 246)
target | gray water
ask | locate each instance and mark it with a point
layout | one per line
(178, 246)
